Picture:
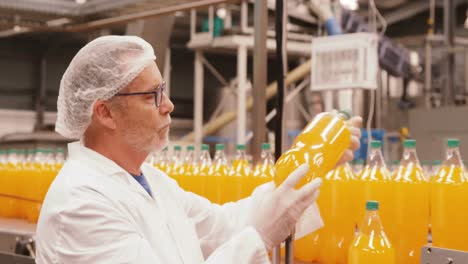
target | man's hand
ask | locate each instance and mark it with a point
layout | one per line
(354, 125)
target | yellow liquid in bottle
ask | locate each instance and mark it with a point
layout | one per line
(338, 213)
(214, 179)
(374, 183)
(233, 182)
(449, 209)
(410, 217)
(367, 250)
(320, 144)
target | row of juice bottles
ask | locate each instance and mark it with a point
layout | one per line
(411, 207)
(218, 180)
(25, 177)
(406, 198)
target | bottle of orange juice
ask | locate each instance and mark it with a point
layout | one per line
(264, 171)
(371, 245)
(186, 170)
(19, 181)
(218, 172)
(338, 210)
(10, 177)
(202, 170)
(3, 170)
(320, 144)
(374, 183)
(449, 208)
(239, 172)
(410, 217)
(358, 166)
(175, 164)
(436, 164)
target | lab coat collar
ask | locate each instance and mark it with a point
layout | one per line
(105, 166)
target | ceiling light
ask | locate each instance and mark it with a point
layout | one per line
(221, 13)
(80, 2)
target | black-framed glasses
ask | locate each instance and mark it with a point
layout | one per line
(158, 93)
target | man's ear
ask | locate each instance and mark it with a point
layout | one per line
(103, 115)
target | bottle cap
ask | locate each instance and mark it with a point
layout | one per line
(60, 150)
(409, 143)
(219, 146)
(265, 146)
(372, 205)
(437, 162)
(240, 147)
(345, 113)
(376, 144)
(359, 162)
(190, 148)
(205, 147)
(453, 143)
(177, 148)
(12, 151)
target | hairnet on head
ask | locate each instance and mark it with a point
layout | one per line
(98, 72)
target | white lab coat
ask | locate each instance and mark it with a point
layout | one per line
(95, 212)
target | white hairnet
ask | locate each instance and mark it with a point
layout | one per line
(98, 71)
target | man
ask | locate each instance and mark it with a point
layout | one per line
(106, 206)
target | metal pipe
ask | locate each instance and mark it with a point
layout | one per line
(106, 22)
(41, 94)
(198, 105)
(241, 93)
(296, 74)
(259, 77)
(449, 34)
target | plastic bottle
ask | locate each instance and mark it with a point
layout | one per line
(320, 144)
(410, 216)
(4, 200)
(427, 169)
(238, 174)
(49, 171)
(449, 208)
(161, 160)
(336, 195)
(10, 203)
(186, 170)
(264, 171)
(394, 166)
(436, 165)
(175, 164)
(374, 183)
(37, 181)
(202, 171)
(358, 166)
(371, 245)
(217, 173)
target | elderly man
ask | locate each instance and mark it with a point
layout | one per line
(107, 206)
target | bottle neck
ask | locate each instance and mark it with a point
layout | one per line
(241, 155)
(371, 223)
(267, 157)
(220, 157)
(205, 158)
(453, 158)
(375, 158)
(410, 157)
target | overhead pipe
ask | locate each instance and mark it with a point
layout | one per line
(215, 125)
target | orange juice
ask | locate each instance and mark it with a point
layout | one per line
(338, 210)
(320, 144)
(374, 183)
(371, 245)
(37, 182)
(410, 217)
(218, 171)
(232, 184)
(449, 207)
(306, 249)
(11, 173)
(186, 170)
(202, 170)
(263, 172)
(4, 200)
